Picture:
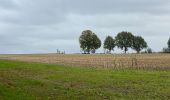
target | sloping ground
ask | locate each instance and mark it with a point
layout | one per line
(156, 61)
(35, 81)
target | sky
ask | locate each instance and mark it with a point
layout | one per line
(43, 26)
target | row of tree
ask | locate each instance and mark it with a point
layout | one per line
(89, 42)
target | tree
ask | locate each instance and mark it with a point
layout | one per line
(109, 43)
(89, 41)
(96, 43)
(124, 40)
(166, 50)
(149, 50)
(139, 43)
(169, 43)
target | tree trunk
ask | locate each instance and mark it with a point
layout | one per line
(110, 51)
(125, 50)
(88, 51)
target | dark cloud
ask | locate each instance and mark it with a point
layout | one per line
(28, 26)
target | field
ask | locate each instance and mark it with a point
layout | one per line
(116, 61)
(88, 77)
(37, 81)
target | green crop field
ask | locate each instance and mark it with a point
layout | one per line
(37, 81)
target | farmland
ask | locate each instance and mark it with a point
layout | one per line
(74, 77)
(37, 81)
(116, 61)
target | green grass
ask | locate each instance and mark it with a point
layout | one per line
(35, 81)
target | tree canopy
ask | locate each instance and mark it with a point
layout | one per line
(124, 40)
(139, 43)
(169, 43)
(109, 43)
(89, 41)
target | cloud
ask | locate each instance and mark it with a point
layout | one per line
(28, 26)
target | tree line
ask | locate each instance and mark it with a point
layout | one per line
(90, 42)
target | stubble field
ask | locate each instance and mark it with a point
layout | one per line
(116, 61)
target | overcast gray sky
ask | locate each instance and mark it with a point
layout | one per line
(42, 26)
